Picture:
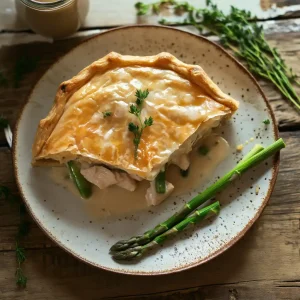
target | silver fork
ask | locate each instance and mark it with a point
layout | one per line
(8, 135)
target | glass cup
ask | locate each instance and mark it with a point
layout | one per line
(51, 18)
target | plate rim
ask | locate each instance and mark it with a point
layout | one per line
(198, 262)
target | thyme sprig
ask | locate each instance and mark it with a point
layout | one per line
(23, 229)
(238, 32)
(136, 110)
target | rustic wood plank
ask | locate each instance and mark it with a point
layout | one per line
(56, 275)
(267, 253)
(115, 12)
(253, 290)
(265, 262)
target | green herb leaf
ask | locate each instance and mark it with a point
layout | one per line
(141, 96)
(142, 8)
(133, 128)
(106, 114)
(148, 122)
(20, 254)
(266, 121)
(21, 279)
(203, 150)
(134, 110)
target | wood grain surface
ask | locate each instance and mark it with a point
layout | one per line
(265, 264)
(99, 13)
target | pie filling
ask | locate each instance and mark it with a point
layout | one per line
(119, 138)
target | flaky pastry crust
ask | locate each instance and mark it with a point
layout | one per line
(193, 73)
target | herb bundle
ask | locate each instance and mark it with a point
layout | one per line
(23, 229)
(239, 33)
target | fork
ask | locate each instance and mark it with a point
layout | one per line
(8, 135)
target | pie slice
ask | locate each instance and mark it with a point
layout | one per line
(89, 121)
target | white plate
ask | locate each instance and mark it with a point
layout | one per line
(62, 216)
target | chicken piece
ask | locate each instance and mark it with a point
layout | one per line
(125, 181)
(153, 198)
(100, 176)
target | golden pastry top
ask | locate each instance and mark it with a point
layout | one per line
(181, 99)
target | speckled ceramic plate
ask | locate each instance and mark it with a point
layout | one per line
(62, 216)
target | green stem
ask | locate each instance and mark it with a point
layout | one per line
(84, 187)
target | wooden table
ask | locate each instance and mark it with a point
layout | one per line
(265, 264)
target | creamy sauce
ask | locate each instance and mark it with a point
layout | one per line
(115, 201)
(201, 167)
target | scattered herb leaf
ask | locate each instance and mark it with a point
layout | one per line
(239, 33)
(106, 114)
(136, 110)
(266, 121)
(6, 194)
(203, 150)
(142, 8)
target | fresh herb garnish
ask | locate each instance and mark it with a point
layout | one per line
(203, 150)
(6, 194)
(3, 123)
(266, 121)
(25, 64)
(136, 110)
(106, 114)
(241, 35)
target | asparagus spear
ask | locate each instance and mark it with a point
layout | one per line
(200, 198)
(194, 218)
(160, 182)
(84, 187)
(256, 149)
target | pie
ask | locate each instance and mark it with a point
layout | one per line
(89, 121)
